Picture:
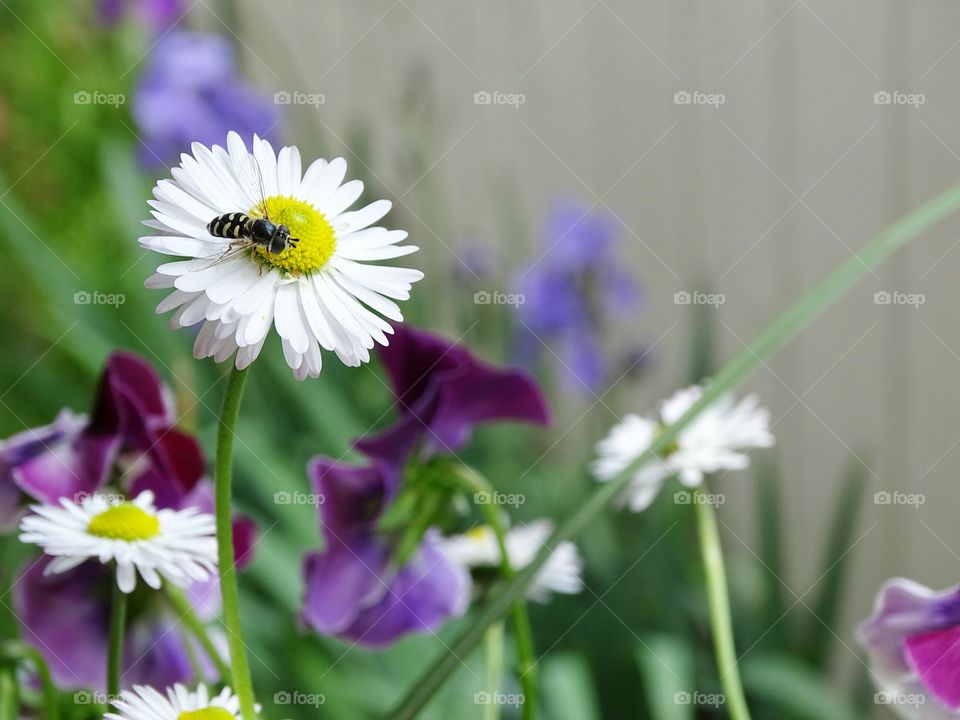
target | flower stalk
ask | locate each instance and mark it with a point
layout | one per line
(526, 656)
(772, 339)
(196, 627)
(223, 479)
(721, 626)
(118, 621)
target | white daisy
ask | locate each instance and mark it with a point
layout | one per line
(322, 292)
(716, 440)
(479, 548)
(145, 703)
(176, 545)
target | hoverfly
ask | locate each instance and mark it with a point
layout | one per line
(246, 231)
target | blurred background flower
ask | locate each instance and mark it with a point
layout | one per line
(573, 289)
(192, 91)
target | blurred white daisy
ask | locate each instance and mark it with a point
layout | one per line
(176, 545)
(324, 291)
(717, 439)
(145, 703)
(479, 548)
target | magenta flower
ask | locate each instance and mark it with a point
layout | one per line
(913, 639)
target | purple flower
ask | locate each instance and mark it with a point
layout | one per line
(571, 290)
(354, 590)
(913, 639)
(155, 15)
(66, 617)
(131, 427)
(442, 391)
(192, 92)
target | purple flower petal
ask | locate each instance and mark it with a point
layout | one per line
(935, 657)
(442, 390)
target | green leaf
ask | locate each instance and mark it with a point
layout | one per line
(825, 610)
(795, 689)
(568, 689)
(770, 527)
(667, 667)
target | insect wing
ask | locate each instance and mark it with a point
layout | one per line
(232, 251)
(251, 181)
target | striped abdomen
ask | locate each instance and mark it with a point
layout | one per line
(232, 225)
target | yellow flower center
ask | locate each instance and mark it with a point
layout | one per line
(125, 522)
(316, 240)
(210, 713)
(478, 533)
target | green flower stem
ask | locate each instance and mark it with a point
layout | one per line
(526, 656)
(242, 684)
(118, 621)
(712, 556)
(774, 337)
(9, 697)
(196, 627)
(51, 696)
(16, 652)
(493, 642)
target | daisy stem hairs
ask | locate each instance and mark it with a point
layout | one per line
(189, 618)
(719, 602)
(223, 478)
(772, 339)
(118, 623)
(526, 658)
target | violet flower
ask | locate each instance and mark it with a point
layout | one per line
(442, 391)
(154, 15)
(913, 640)
(571, 291)
(355, 590)
(192, 92)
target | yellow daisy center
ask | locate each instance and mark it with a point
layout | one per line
(315, 238)
(124, 522)
(478, 533)
(210, 713)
